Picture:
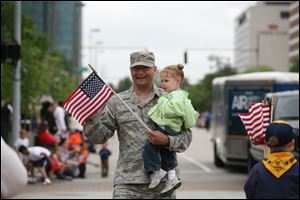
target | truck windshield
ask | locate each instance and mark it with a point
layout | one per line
(287, 108)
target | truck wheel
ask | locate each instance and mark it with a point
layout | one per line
(217, 161)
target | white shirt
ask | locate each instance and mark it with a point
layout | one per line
(21, 142)
(59, 115)
(35, 153)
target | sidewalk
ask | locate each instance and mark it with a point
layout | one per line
(96, 187)
(93, 186)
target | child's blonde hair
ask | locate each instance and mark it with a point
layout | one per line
(23, 133)
(174, 71)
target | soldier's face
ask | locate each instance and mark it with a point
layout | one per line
(142, 75)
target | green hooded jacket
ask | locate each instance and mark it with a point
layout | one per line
(174, 110)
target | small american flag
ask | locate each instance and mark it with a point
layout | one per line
(88, 98)
(256, 121)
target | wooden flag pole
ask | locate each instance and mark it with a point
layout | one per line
(134, 114)
(267, 149)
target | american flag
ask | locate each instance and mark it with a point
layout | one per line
(88, 98)
(256, 121)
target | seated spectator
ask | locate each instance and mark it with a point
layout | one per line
(45, 138)
(38, 157)
(57, 167)
(65, 157)
(22, 140)
(75, 138)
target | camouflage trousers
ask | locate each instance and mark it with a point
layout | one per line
(140, 191)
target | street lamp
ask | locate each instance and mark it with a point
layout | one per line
(95, 30)
(99, 43)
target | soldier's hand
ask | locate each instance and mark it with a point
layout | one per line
(158, 138)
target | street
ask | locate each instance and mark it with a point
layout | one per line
(200, 178)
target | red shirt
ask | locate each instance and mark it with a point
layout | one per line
(47, 138)
(55, 164)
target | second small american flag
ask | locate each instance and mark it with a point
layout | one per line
(88, 98)
(256, 122)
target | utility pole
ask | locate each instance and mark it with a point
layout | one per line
(17, 78)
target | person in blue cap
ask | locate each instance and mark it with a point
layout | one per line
(277, 176)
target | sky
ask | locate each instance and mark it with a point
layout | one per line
(117, 28)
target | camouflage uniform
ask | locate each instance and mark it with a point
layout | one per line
(114, 116)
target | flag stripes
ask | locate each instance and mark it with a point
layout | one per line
(256, 122)
(88, 98)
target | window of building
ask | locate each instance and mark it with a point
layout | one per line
(242, 19)
(284, 15)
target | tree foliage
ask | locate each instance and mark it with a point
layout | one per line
(124, 84)
(42, 71)
(201, 93)
(261, 68)
(295, 66)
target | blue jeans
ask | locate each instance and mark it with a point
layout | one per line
(159, 156)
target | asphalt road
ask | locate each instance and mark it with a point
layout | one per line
(200, 178)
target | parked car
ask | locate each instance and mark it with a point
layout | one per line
(285, 107)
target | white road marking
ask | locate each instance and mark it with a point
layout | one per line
(199, 164)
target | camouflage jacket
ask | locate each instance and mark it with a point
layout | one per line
(114, 116)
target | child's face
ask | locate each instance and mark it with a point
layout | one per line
(23, 134)
(169, 83)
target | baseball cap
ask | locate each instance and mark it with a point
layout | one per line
(279, 133)
(143, 58)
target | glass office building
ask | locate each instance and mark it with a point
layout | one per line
(61, 20)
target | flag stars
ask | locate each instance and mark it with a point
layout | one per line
(92, 85)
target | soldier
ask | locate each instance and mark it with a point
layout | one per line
(131, 181)
(277, 176)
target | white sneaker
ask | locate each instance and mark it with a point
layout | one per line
(156, 178)
(170, 186)
(47, 181)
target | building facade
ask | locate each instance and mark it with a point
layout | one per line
(62, 22)
(261, 36)
(294, 32)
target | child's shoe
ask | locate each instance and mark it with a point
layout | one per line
(156, 178)
(170, 186)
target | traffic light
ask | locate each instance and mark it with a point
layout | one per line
(185, 57)
(11, 50)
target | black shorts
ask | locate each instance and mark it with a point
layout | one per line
(39, 163)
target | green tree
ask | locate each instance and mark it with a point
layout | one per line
(124, 84)
(42, 71)
(295, 66)
(201, 93)
(261, 68)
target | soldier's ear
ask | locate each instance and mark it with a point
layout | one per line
(154, 68)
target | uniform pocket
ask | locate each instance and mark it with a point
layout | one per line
(126, 117)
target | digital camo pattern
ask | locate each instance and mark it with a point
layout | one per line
(114, 116)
